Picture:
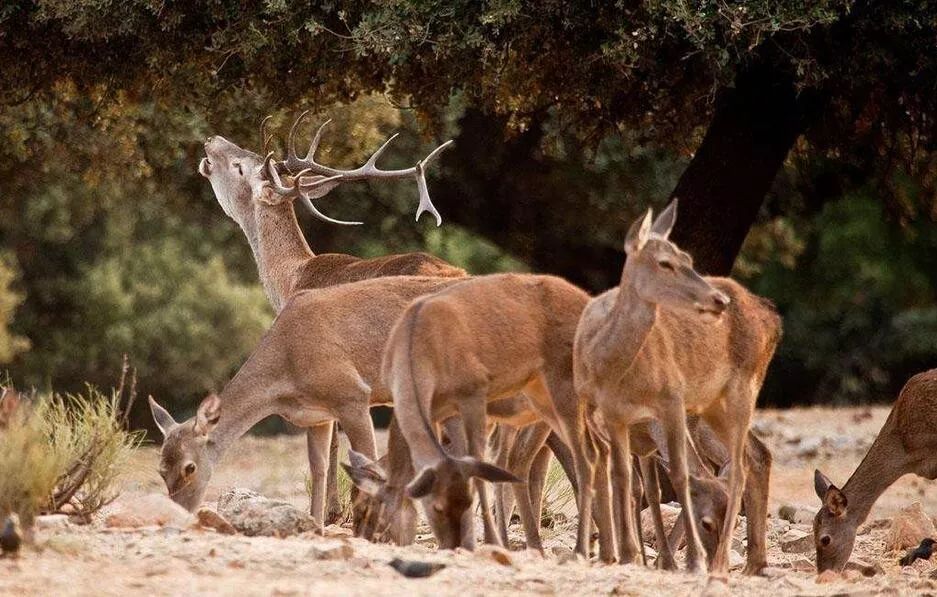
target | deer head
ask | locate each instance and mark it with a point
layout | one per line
(240, 177)
(834, 533)
(710, 502)
(387, 512)
(446, 492)
(186, 460)
(662, 274)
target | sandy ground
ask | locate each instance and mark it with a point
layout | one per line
(95, 560)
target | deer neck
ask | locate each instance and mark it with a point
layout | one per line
(885, 462)
(632, 319)
(245, 401)
(281, 250)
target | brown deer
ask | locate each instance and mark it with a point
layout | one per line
(319, 362)
(907, 443)
(664, 342)
(479, 341)
(9, 405)
(249, 189)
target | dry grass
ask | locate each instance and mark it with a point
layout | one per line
(64, 453)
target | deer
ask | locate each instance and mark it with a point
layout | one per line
(905, 444)
(667, 341)
(251, 192)
(9, 405)
(456, 351)
(319, 362)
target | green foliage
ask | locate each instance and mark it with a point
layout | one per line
(10, 343)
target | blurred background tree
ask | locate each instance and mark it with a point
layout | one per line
(569, 117)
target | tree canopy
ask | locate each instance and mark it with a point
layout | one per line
(569, 118)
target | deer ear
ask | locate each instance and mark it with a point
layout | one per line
(422, 484)
(835, 501)
(366, 474)
(820, 483)
(472, 467)
(161, 416)
(665, 221)
(638, 233)
(209, 411)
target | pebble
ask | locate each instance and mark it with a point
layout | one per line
(908, 528)
(212, 520)
(797, 541)
(50, 522)
(333, 550)
(494, 553)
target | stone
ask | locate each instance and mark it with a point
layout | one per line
(668, 513)
(738, 545)
(736, 560)
(255, 515)
(146, 511)
(909, 526)
(494, 553)
(332, 550)
(210, 519)
(796, 541)
(796, 514)
(51, 522)
(864, 568)
(802, 564)
(564, 555)
(809, 447)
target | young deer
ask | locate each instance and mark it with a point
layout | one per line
(907, 443)
(319, 362)
(476, 342)
(249, 190)
(665, 342)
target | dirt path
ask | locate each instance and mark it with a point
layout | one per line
(169, 561)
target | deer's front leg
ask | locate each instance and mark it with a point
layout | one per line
(628, 548)
(318, 439)
(757, 480)
(673, 418)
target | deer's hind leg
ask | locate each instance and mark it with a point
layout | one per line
(475, 419)
(506, 437)
(318, 439)
(526, 449)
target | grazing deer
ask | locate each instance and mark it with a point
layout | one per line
(482, 340)
(907, 443)
(319, 362)
(664, 342)
(250, 191)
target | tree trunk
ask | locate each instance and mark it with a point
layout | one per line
(752, 131)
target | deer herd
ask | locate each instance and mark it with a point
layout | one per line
(647, 388)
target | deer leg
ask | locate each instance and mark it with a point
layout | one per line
(538, 478)
(637, 497)
(603, 505)
(628, 548)
(674, 419)
(318, 439)
(652, 493)
(333, 513)
(504, 497)
(565, 457)
(474, 421)
(755, 498)
(526, 449)
(736, 486)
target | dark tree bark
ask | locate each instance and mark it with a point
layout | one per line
(753, 129)
(504, 190)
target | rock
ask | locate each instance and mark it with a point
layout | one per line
(668, 513)
(51, 522)
(908, 528)
(738, 545)
(210, 519)
(796, 514)
(864, 568)
(809, 447)
(331, 550)
(802, 564)
(334, 530)
(415, 569)
(495, 553)
(254, 514)
(564, 555)
(145, 511)
(735, 560)
(796, 541)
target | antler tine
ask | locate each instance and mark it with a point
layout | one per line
(264, 137)
(371, 164)
(432, 156)
(291, 140)
(299, 191)
(311, 154)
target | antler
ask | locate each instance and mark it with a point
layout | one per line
(305, 191)
(264, 137)
(369, 170)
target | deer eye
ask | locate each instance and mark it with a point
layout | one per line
(825, 540)
(239, 169)
(666, 265)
